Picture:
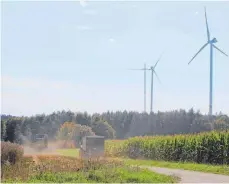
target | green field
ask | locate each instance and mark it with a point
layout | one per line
(69, 152)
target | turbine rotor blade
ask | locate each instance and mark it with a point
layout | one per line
(157, 76)
(136, 69)
(208, 33)
(158, 61)
(198, 52)
(220, 50)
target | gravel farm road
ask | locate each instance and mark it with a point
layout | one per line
(191, 176)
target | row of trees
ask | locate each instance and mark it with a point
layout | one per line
(129, 124)
(117, 125)
(21, 129)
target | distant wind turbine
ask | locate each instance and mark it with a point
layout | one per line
(143, 69)
(211, 43)
(152, 68)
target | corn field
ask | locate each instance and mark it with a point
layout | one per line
(210, 147)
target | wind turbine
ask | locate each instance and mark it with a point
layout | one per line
(152, 68)
(211, 43)
(143, 69)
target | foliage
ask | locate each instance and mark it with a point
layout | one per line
(13, 131)
(211, 147)
(114, 148)
(102, 128)
(3, 130)
(6, 117)
(125, 124)
(11, 152)
(103, 175)
(66, 131)
(59, 169)
(70, 131)
(222, 122)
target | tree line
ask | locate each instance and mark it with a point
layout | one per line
(118, 125)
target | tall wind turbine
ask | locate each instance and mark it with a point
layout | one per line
(152, 68)
(211, 43)
(143, 69)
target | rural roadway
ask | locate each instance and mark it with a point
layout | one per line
(191, 176)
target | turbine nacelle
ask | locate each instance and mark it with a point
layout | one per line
(214, 40)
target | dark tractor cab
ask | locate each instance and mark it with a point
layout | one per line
(39, 141)
(92, 147)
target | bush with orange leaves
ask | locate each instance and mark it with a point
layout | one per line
(70, 134)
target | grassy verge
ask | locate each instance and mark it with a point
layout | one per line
(62, 169)
(216, 169)
(69, 152)
(104, 175)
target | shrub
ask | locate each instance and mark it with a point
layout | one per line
(104, 129)
(11, 152)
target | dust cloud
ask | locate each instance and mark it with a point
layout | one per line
(50, 150)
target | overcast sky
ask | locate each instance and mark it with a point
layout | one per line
(71, 55)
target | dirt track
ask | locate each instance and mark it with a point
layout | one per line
(35, 156)
(28, 151)
(192, 176)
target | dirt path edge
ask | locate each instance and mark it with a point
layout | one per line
(191, 176)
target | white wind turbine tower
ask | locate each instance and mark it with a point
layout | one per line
(211, 43)
(152, 68)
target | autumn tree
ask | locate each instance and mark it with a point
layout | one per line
(222, 122)
(71, 131)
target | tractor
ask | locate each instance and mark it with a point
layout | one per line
(39, 142)
(92, 147)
